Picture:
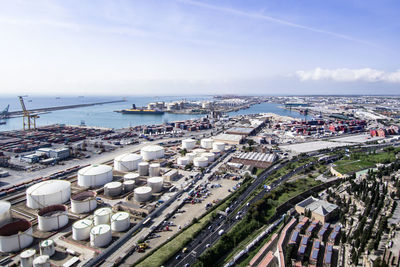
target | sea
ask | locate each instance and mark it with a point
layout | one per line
(105, 116)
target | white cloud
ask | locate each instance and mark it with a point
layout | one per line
(349, 75)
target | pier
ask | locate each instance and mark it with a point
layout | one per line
(19, 113)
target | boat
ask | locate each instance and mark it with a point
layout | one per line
(142, 111)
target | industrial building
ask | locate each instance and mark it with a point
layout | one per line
(230, 139)
(255, 159)
(246, 131)
(321, 210)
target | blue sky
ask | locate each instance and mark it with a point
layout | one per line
(193, 46)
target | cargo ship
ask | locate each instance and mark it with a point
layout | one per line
(142, 111)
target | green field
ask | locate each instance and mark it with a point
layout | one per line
(361, 161)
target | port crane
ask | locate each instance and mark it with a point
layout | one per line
(29, 119)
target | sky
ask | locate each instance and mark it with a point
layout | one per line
(165, 47)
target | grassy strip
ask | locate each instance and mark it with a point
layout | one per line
(254, 251)
(167, 250)
(244, 243)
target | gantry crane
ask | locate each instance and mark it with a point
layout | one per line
(29, 120)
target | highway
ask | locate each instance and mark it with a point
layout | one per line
(210, 235)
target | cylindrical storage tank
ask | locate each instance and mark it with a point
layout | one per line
(47, 247)
(120, 221)
(199, 151)
(200, 162)
(216, 152)
(156, 183)
(5, 212)
(188, 144)
(15, 236)
(47, 193)
(183, 161)
(81, 229)
(127, 162)
(152, 152)
(102, 216)
(132, 176)
(219, 146)
(95, 175)
(206, 143)
(154, 169)
(210, 156)
(42, 261)
(142, 194)
(52, 217)
(143, 168)
(191, 156)
(100, 235)
(129, 185)
(83, 202)
(113, 189)
(27, 257)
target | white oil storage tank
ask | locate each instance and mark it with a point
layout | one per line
(16, 236)
(83, 202)
(200, 162)
(142, 194)
(191, 156)
(152, 152)
(199, 151)
(100, 235)
(156, 183)
(120, 221)
(188, 144)
(42, 261)
(52, 217)
(102, 216)
(216, 152)
(81, 229)
(210, 156)
(5, 212)
(27, 257)
(46, 193)
(133, 176)
(154, 169)
(128, 185)
(219, 146)
(143, 168)
(127, 162)
(95, 175)
(206, 143)
(183, 161)
(113, 189)
(47, 247)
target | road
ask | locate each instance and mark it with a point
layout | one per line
(210, 235)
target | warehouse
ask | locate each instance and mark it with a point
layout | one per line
(255, 159)
(246, 131)
(231, 139)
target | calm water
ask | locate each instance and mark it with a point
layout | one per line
(104, 115)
